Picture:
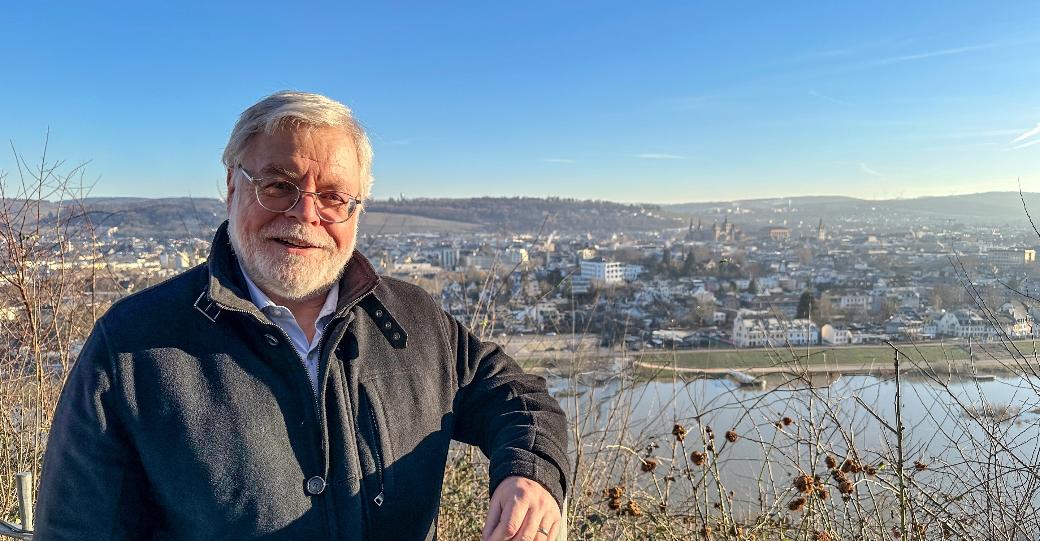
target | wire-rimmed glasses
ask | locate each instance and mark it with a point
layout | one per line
(281, 195)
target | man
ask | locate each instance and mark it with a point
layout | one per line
(283, 390)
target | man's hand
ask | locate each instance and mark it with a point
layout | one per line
(521, 510)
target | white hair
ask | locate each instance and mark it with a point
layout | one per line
(289, 109)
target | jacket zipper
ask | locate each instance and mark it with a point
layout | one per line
(378, 500)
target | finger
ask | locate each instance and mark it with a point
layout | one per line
(554, 532)
(494, 513)
(529, 529)
(509, 522)
(547, 525)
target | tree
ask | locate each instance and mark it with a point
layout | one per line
(804, 305)
(752, 287)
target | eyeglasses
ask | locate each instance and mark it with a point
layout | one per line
(279, 195)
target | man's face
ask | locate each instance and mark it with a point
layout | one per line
(294, 255)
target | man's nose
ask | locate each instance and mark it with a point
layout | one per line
(305, 210)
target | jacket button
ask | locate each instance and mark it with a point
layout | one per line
(388, 325)
(315, 485)
(397, 336)
(271, 339)
(379, 313)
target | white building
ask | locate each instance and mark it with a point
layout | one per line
(449, 258)
(836, 335)
(965, 323)
(854, 301)
(753, 329)
(603, 271)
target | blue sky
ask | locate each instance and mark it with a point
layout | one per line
(666, 102)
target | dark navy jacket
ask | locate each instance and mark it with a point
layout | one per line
(189, 415)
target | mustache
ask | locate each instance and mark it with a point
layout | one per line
(295, 233)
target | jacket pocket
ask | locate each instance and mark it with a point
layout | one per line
(369, 418)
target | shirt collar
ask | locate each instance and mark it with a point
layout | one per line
(263, 302)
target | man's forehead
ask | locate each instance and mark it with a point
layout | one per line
(330, 173)
(294, 153)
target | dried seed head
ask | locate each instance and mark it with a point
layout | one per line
(698, 458)
(679, 431)
(920, 466)
(804, 484)
(870, 470)
(787, 421)
(822, 536)
(731, 436)
(614, 503)
(614, 492)
(846, 487)
(796, 504)
(649, 465)
(632, 508)
(851, 465)
(830, 462)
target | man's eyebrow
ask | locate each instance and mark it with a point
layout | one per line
(277, 170)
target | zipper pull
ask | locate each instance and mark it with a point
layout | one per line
(378, 499)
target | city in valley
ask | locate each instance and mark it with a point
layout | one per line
(555, 275)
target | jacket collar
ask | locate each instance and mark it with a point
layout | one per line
(227, 285)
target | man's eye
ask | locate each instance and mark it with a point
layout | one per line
(332, 198)
(278, 187)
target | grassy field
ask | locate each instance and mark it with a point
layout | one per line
(815, 355)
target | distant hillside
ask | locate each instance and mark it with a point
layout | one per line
(182, 217)
(990, 207)
(178, 217)
(527, 214)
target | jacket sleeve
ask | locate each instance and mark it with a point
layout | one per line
(92, 485)
(508, 414)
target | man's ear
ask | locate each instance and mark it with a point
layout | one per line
(230, 187)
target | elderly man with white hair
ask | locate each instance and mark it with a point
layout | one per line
(284, 390)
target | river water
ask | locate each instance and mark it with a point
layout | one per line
(961, 433)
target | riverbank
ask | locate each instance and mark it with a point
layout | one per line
(956, 357)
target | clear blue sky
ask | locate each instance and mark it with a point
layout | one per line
(656, 102)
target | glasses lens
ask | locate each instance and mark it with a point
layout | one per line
(277, 195)
(336, 206)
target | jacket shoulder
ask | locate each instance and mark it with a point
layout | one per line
(406, 294)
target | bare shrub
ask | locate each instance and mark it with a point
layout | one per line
(48, 264)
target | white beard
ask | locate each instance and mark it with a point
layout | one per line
(289, 276)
